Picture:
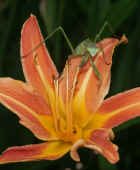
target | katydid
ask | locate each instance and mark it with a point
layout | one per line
(86, 48)
(89, 49)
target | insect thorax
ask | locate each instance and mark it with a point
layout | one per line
(86, 46)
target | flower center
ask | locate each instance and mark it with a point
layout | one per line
(67, 136)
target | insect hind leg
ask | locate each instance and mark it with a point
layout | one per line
(85, 60)
(48, 37)
(95, 69)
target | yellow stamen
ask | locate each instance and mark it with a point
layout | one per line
(55, 112)
(68, 114)
(74, 85)
(72, 92)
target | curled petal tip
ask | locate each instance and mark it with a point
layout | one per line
(111, 134)
(100, 142)
(94, 147)
(123, 39)
(74, 150)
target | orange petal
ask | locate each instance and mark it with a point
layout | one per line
(117, 109)
(38, 67)
(35, 152)
(32, 109)
(89, 90)
(99, 141)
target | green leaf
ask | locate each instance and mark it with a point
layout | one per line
(52, 12)
(127, 124)
(120, 11)
(105, 165)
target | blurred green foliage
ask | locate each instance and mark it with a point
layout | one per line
(80, 19)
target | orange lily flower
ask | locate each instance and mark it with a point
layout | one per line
(69, 111)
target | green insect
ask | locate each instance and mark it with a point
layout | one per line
(86, 48)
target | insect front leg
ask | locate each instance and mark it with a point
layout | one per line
(94, 68)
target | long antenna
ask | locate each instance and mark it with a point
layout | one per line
(99, 34)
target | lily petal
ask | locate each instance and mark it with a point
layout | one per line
(38, 67)
(117, 109)
(46, 151)
(32, 109)
(90, 90)
(99, 141)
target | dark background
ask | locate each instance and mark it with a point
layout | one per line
(80, 19)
